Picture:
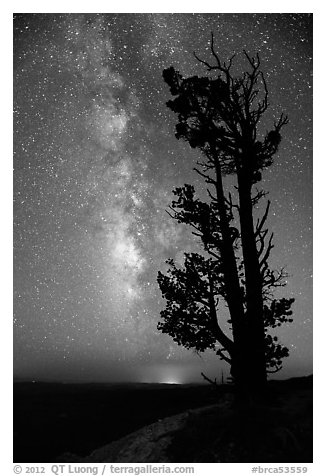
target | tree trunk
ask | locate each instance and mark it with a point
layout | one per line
(254, 334)
(248, 357)
(233, 291)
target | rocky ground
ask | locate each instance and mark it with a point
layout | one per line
(279, 432)
(147, 445)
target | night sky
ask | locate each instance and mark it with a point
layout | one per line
(95, 163)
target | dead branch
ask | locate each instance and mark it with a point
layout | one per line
(260, 223)
(270, 246)
(207, 178)
(213, 382)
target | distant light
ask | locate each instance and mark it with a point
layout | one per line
(171, 382)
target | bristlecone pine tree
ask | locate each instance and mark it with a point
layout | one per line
(220, 116)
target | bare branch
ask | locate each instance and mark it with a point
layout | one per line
(211, 196)
(209, 251)
(231, 61)
(213, 382)
(260, 223)
(270, 246)
(220, 67)
(259, 195)
(281, 122)
(206, 167)
(170, 215)
(254, 63)
(261, 240)
(225, 69)
(208, 66)
(197, 234)
(207, 178)
(230, 203)
(220, 353)
(273, 279)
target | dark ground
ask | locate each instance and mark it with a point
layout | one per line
(278, 429)
(52, 418)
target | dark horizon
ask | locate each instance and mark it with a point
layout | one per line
(107, 382)
(172, 381)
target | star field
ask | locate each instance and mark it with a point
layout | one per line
(95, 162)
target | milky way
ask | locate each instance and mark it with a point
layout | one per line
(95, 163)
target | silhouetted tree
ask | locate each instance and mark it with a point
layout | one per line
(220, 115)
